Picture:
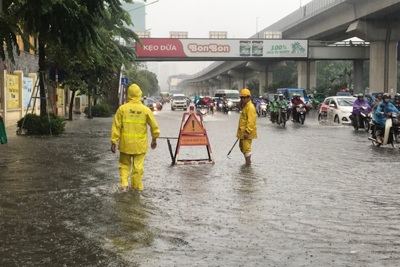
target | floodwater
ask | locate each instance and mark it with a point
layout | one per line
(315, 195)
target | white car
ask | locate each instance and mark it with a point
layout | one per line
(337, 109)
(179, 102)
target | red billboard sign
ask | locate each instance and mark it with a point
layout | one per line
(163, 48)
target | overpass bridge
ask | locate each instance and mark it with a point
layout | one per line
(323, 23)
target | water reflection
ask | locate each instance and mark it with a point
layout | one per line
(131, 220)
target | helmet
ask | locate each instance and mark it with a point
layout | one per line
(298, 94)
(360, 95)
(379, 96)
(245, 92)
(280, 95)
(386, 95)
(294, 94)
(260, 97)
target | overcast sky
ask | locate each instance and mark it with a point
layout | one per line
(239, 18)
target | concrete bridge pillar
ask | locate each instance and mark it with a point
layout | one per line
(383, 38)
(307, 75)
(358, 67)
(383, 67)
(225, 81)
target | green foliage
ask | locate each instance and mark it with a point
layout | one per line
(99, 110)
(146, 80)
(333, 75)
(36, 125)
(253, 85)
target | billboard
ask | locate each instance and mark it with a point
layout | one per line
(164, 48)
(27, 90)
(12, 92)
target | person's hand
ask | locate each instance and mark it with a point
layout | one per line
(246, 135)
(113, 146)
(153, 144)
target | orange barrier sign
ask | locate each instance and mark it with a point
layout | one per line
(193, 133)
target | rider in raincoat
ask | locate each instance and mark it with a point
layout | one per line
(281, 102)
(360, 105)
(130, 130)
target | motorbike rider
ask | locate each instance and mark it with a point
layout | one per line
(281, 102)
(383, 108)
(271, 108)
(378, 100)
(201, 103)
(296, 101)
(396, 101)
(259, 101)
(360, 105)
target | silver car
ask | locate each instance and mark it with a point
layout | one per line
(179, 102)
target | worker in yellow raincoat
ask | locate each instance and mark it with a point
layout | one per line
(247, 128)
(129, 128)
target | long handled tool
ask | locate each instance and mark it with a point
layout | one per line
(170, 147)
(232, 148)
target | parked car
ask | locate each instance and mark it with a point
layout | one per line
(179, 102)
(153, 104)
(337, 109)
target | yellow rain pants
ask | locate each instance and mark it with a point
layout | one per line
(133, 165)
(245, 146)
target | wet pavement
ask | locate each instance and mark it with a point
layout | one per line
(315, 195)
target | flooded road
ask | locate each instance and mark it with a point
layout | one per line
(315, 195)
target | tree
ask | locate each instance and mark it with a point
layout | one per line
(146, 80)
(333, 76)
(71, 24)
(9, 30)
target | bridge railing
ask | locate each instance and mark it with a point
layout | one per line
(314, 43)
(307, 10)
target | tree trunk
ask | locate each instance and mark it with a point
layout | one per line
(89, 115)
(71, 105)
(95, 96)
(42, 58)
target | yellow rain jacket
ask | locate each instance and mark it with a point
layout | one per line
(130, 124)
(247, 122)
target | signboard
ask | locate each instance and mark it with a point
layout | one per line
(124, 81)
(193, 140)
(193, 133)
(221, 48)
(193, 126)
(27, 90)
(12, 93)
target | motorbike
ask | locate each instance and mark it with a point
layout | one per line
(262, 110)
(203, 109)
(301, 113)
(391, 131)
(364, 121)
(282, 116)
(224, 107)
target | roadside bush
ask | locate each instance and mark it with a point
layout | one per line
(36, 125)
(99, 110)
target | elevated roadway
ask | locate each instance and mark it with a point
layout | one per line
(323, 23)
